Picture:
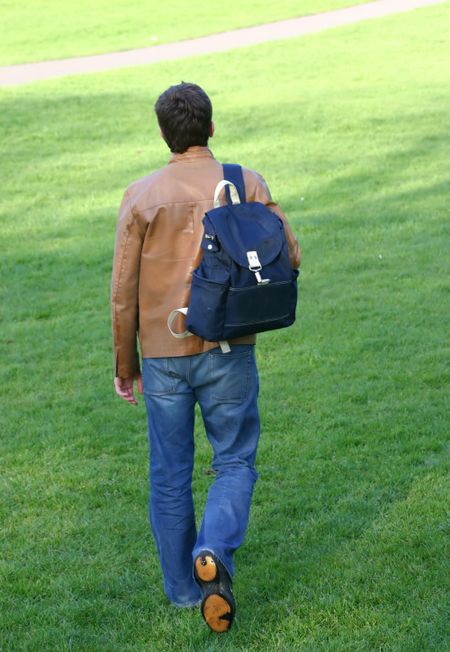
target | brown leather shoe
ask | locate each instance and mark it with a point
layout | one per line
(218, 606)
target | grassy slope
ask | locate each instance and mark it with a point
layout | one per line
(48, 29)
(346, 548)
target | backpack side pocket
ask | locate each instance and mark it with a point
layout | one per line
(206, 314)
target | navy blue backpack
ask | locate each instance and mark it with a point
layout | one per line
(244, 283)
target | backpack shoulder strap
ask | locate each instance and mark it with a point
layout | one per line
(233, 173)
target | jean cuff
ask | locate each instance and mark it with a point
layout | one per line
(184, 605)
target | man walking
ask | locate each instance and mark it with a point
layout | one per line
(159, 233)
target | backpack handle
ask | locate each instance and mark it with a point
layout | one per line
(171, 318)
(233, 192)
(224, 346)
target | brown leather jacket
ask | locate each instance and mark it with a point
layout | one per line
(159, 231)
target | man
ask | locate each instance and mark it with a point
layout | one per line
(158, 240)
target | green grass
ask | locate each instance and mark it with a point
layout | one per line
(49, 29)
(346, 550)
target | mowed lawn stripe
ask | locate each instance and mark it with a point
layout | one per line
(346, 547)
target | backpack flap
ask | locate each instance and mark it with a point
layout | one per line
(245, 228)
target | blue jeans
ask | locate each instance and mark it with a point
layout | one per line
(226, 388)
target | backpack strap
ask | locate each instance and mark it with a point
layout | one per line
(233, 173)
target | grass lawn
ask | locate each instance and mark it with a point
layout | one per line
(49, 29)
(346, 549)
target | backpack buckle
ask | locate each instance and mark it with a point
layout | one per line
(261, 281)
(253, 261)
(255, 266)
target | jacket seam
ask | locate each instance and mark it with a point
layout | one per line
(172, 203)
(117, 285)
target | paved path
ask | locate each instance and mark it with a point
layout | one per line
(24, 73)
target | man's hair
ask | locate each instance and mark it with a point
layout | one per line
(184, 113)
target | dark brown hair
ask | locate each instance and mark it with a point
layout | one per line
(184, 113)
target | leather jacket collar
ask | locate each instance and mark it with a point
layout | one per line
(195, 152)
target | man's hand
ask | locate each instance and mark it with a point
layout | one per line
(124, 388)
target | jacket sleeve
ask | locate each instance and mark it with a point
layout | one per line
(262, 194)
(130, 235)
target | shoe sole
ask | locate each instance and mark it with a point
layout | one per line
(216, 609)
(217, 613)
(205, 568)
